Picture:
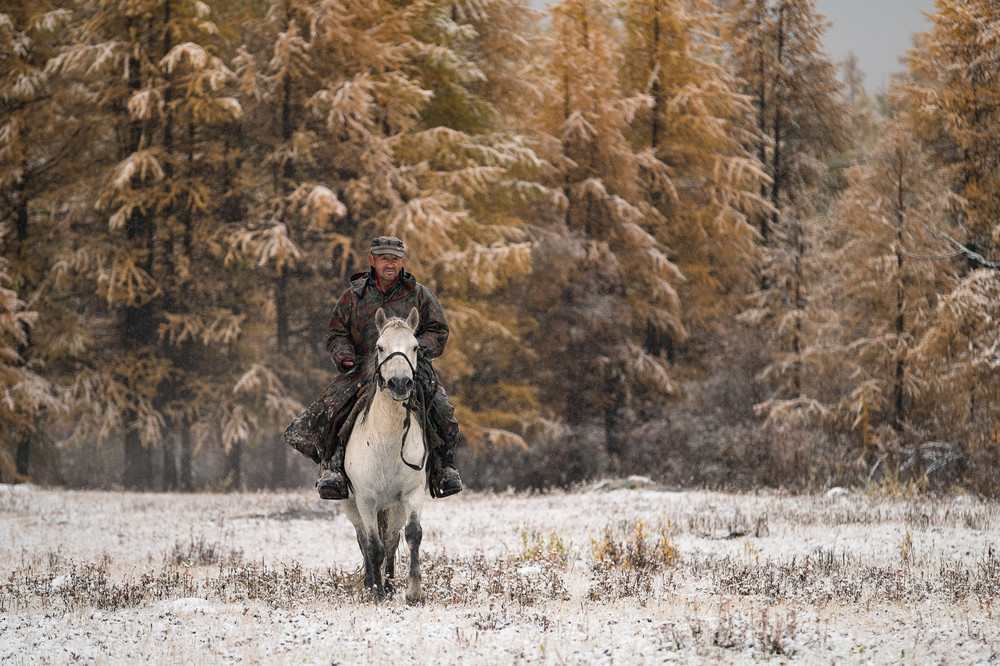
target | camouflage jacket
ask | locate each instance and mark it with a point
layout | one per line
(353, 334)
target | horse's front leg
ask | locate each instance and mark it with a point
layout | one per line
(373, 551)
(414, 533)
(388, 530)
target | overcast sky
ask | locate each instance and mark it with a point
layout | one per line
(879, 32)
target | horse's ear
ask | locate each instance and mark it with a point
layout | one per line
(413, 319)
(380, 319)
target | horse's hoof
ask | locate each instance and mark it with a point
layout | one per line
(415, 599)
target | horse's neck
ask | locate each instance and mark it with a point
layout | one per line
(386, 411)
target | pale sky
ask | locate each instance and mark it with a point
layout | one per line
(879, 32)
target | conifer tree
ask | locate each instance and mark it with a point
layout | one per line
(490, 160)
(604, 281)
(957, 365)
(800, 120)
(800, 117)
(149, 246)
(24, 393)
(392, 136)
(35, 132)
(953, 94)
(889, 267)
(695, 129)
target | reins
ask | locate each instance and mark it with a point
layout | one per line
(415, 401)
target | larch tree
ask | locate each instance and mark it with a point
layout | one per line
(889, 264)
(695, 128)
(604, 283)
(293, 240)
(864, 120)
(800, 120)
(24, 392)
(149, 244)
(481, 112)
(34, 135)
(956, 365)
(953, 94)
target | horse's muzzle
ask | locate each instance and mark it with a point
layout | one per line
(400, 387)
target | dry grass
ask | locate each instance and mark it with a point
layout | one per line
(562, 578)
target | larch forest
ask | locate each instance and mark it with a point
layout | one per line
(672, 237)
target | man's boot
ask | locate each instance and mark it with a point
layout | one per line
(332, 483)
(449, 482)
(445, 479)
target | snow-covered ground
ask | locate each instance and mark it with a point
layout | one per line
(846, 578)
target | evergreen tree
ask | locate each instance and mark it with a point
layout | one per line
(800, 120)
(889, 267)
(604, 284)
(694, 127)
(953, 93)
(149, 245)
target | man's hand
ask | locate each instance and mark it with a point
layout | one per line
(344, 360)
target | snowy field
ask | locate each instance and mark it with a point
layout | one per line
(613, 574)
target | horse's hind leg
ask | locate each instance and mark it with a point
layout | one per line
(414, 533)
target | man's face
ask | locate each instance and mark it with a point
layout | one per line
(387, 267)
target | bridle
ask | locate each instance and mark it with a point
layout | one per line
(411, 403)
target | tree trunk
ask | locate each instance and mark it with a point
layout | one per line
(234, 479)
(185, 471)
(22, 457)
(897, 384)
(138, 473)
(170, 463)
(616, 416)
(279, 463)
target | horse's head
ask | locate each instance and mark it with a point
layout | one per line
(396, 353)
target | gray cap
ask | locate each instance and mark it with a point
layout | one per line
(388, 245)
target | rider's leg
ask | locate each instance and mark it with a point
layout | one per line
(332, 481)
(330, 411)
(444, 477)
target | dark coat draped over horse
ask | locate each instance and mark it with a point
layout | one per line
(353, 338)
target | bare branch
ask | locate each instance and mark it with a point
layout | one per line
(975, 256)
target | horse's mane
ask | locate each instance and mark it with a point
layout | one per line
(396, 322)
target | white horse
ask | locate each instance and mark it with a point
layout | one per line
(386, 460)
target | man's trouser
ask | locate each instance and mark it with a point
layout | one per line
(315, 432)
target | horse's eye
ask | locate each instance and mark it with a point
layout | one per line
(380, 349)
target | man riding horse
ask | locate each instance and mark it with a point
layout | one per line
(320, 433)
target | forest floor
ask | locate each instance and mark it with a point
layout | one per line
(615, 573)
